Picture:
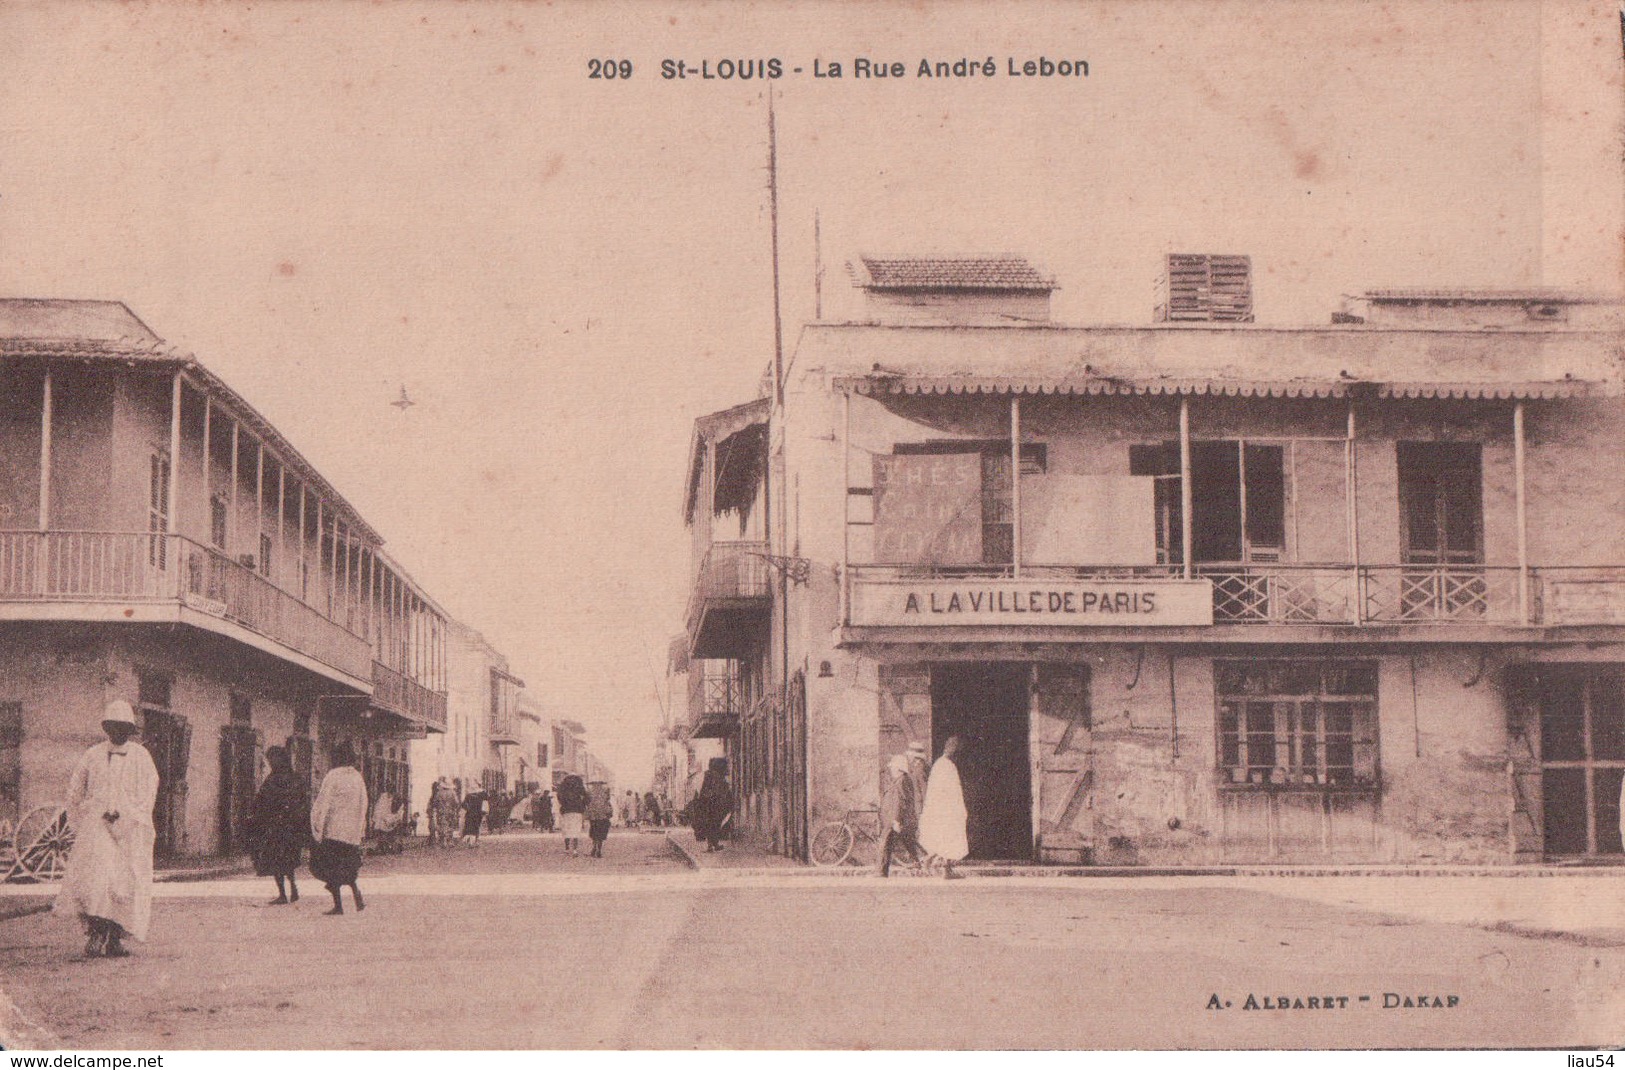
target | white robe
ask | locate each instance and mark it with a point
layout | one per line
(109, 872)
(942, 822)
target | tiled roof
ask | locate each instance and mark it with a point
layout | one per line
(950, 273)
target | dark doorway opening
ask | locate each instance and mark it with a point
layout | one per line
(985, 705)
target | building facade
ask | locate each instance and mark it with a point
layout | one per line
(162, 543)
(479, 746)
(1190, 592)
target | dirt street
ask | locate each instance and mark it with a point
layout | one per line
(512, 946)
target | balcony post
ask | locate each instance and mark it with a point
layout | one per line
(42, 560)
(259, 506)
(1185, 495)
(172, 517)
(1351, 507)
(1015, 485)
(846, 509)
(231, 513)
(46, 405)
(1518, 462)
(303, 573)
(281, 514)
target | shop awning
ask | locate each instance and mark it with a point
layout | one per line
(880, 385)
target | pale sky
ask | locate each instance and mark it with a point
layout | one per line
(326, 201)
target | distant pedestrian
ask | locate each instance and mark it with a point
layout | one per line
(942, 821)
(899, 815)
(443, 814)
(473, 816)
(666, 816)
(108, 884)
(651, 809)
(572, 812)
(387, 817)
(629, 808)
(279, 826)
(543, 811)
(338, 822)
(600, 810)
(712, 809)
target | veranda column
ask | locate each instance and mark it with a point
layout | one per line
(1518, 462)
(1185, 495)
(1015, 485)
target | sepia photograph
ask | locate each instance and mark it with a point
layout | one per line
(790, 526)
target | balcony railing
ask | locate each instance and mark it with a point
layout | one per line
(130, 567)
(401, 695)
(730, 588)
(1288, 594)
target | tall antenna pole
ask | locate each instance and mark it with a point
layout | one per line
(818, 269)
(773, 208)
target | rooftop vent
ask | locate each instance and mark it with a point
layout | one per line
(1205, 288)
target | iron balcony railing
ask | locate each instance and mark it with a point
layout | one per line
(714, 687)
(401, 695)
(1405, 594)
(729, 572)
(141, 567)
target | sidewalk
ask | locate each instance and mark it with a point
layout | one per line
(741, 858)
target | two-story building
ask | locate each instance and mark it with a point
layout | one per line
(477, 748)
(1193, 591)
(162, 543)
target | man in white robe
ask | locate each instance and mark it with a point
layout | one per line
(108, 884)
(942, 821)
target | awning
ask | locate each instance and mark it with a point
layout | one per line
(881, 385)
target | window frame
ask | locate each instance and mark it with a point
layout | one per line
(1296, 721)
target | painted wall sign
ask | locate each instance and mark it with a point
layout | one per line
(1071, 603)
(1585, 602)
(928, 509)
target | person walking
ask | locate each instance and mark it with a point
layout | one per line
(443, 809)
(572, 812)
(473, 816)
(600, 811)
(899, 816)
(279, 826)
(541, 811)
(666, 817)
(338, 823)
(651, 809)
(108, 883)
(919, 770)
(942, 821)
(712, 808)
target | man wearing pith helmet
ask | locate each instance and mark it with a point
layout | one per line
(108, 885)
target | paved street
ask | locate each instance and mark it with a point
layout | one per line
(513, 946)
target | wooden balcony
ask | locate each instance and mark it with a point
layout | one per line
(141, 577)
(399, 694)
(728, 610)
(716, 699)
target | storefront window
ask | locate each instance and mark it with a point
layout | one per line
(1297, 725)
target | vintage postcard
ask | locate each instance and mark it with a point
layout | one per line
(807, 525)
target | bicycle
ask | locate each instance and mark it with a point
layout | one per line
(834, 841)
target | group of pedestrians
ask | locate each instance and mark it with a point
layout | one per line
(923, 812)
(281, 825)
(646, 809)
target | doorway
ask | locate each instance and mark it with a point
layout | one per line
(985, 705)
(1582, 753)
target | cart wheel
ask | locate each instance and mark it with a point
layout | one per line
(831, 844)
(44, 838)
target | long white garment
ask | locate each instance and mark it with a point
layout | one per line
(109, 871)
(942, 822)
(340, 810)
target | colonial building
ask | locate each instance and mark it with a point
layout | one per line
(162, 543)
(1194, 591)
(482, 721)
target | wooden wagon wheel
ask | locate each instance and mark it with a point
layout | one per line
(43, 840)
(8, 848)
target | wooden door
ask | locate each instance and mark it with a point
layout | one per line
(1062, 758)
